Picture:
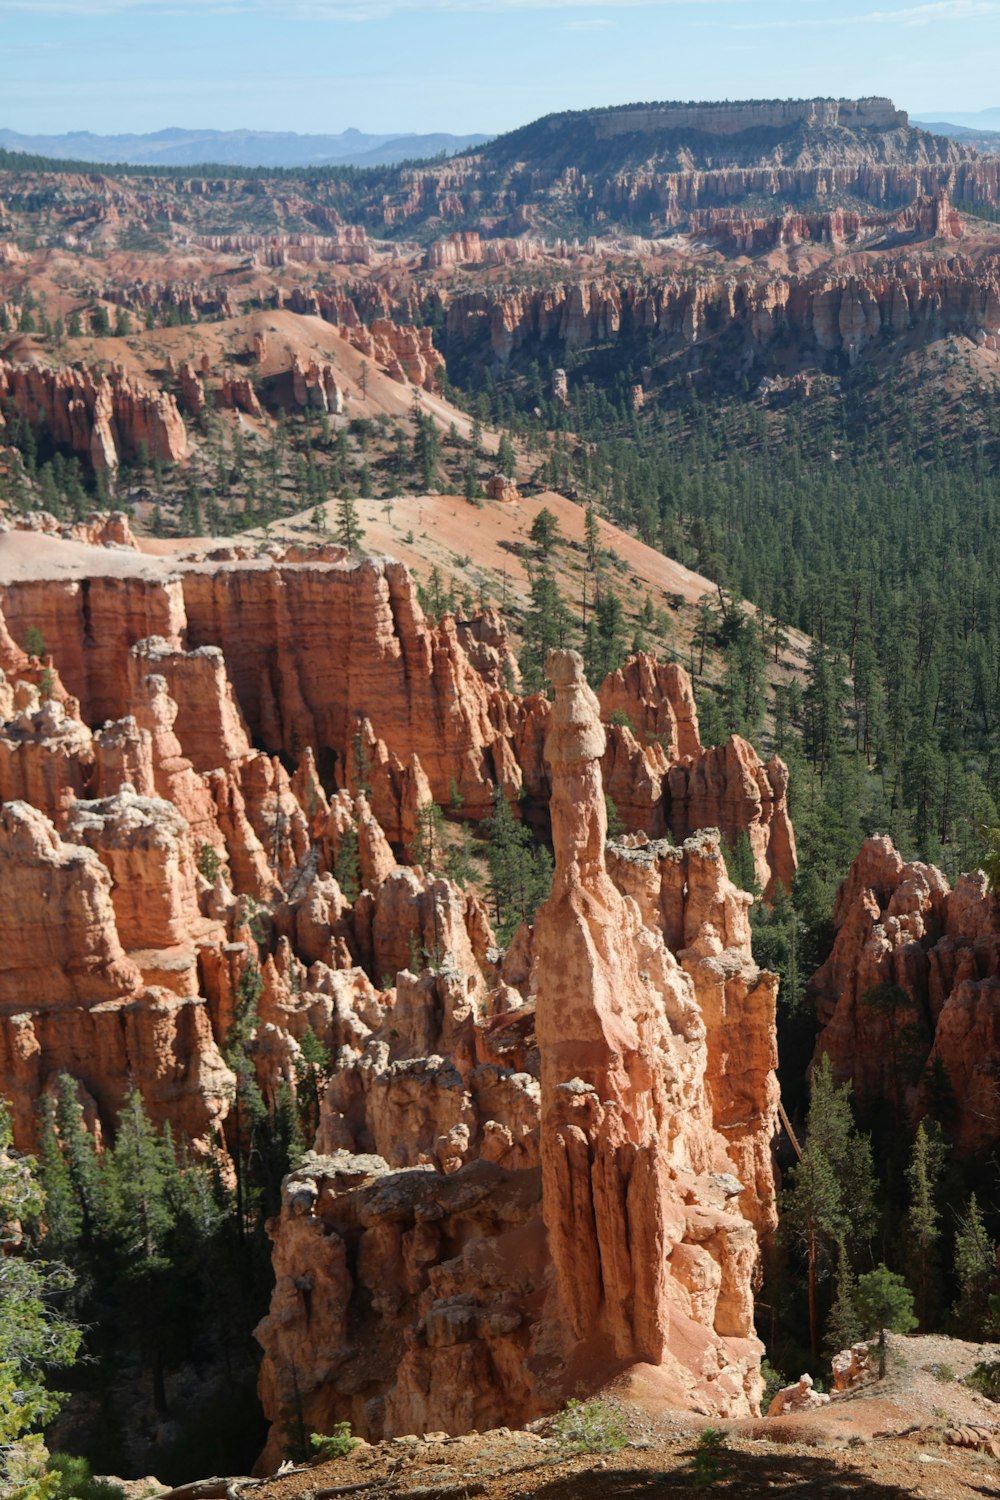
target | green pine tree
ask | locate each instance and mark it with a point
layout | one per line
(885, 1304)
(520, 872)
(348, 531)
(922, 1224)
(975, 1272)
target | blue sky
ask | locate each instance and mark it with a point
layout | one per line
(467, 65)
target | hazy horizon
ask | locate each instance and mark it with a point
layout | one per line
(397, 67)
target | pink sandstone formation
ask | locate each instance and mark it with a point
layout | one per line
(426, 691)
(827, 311)
(620, 1054)
(908, 996)
(103, 418)
(529, 1188)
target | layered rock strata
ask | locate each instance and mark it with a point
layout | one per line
(528, 1180)
(103, 418)
(338, 656)
(827, 311)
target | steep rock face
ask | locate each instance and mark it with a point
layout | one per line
(825, 312)
(909, 995)
(287, 635)
(72, 1000)
(145, 846)
(103, 419)
(409, 691)
(684, 893)
(491, 1288)
(626, 1122)
(90, 626)
(171, 826)
(63, 942)
(46, 756)
(728, 787)
(658, 701)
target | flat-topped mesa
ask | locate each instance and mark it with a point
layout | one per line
(771, 114)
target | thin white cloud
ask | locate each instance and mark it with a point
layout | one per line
(595, 23)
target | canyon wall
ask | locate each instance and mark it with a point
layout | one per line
(827, 313)
(315, 651)
(538, 1176)
(103, 418)
(535, 1168)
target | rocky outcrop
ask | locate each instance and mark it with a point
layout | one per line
(908, 999)
(798, 1397)
(433, 693)
(71, 999)
(349, 246)
(405, 352)
(728, 787)
(104, 418)
(315, 385)
(503, 488)
(530, 1189)
(825, 312)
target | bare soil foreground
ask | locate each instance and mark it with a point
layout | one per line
(921, 1432)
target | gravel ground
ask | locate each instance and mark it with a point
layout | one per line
(919, 1433)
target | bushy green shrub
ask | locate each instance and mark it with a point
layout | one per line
(76, 1480)
(589, 1427)
(708, 1464)
(335, 1444)
(985, 1378)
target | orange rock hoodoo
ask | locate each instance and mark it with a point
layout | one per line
(830, 312)
(909, 995)
(620, 1054)
(103, 418)
(530, 1176)
(314, 649)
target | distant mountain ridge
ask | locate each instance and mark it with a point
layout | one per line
(975, 120)
(983, 135)
(176, 147)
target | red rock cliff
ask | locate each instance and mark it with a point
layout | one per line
(909, 995)
(561, 1203)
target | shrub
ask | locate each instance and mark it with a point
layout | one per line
(34, 641)
(76, 1480)
(589, 1427)
(985, 1378)
(335, 1444)
(708, 1464)
(209, 863)
(620, 717)
(774, 1381)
